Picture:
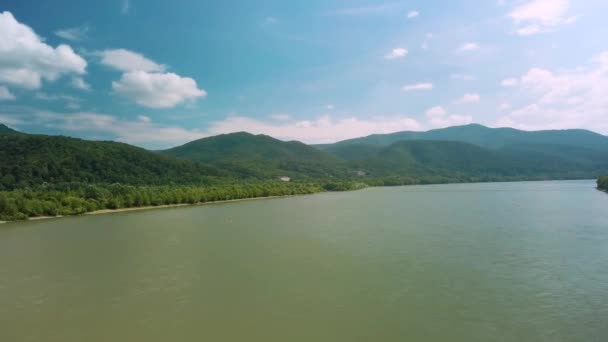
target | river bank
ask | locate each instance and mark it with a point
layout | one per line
(164, 206)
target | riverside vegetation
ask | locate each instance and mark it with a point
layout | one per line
(43, 175)
(602, 183)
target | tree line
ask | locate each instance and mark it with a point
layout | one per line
(602, 183)
(77, 198)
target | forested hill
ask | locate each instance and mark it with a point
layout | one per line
(56, 175)
(35, 159)
(260, 156)
(31, 160)
(486, 137)
(566, 152)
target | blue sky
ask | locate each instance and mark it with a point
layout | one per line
(159, 73)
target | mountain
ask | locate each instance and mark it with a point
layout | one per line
(35, 159)
(260, 156)
(7, 130)
(486, 137)
(567, 152)
(450, 159)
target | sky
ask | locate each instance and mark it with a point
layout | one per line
(158, 73)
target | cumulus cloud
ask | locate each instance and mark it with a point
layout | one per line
(139, 131)
(74, 34)
(469, 98)
(413, 14)
(146, 83)
(509, 82)
(143, 131)
(79, 83)
(5, 94)
(396, 54)
(144, 118)
(471, 46)
(564, 98)
(324, 129)
(540, 16)
(26, 60)
(439, 117)
(418, 86)
(125, 60)
(156, 90)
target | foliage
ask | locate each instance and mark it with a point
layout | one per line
(602, 183)
(29, 160)
(77, 198)
(260, 156)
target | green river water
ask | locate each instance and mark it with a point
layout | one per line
(466, 262)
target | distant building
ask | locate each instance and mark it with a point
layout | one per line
(285, 179)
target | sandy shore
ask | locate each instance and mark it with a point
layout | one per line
(122, 210)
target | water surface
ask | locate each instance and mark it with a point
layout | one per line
(467, 262)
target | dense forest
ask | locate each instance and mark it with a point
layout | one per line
(602, 183)
(44, 175)
(77, 199)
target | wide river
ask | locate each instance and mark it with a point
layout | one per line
(467, 262)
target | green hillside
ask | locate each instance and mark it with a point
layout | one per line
(445, 158)
(36, 159)
(7, 130)
(260, 156)
(486, 137)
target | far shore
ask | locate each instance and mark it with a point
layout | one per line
(164, 206)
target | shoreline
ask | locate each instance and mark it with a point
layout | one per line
(152, 207)
(166, 206)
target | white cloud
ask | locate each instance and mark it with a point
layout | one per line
(330, 107)
(469, 98)
(144, 118)
(79, 83)
(396, 54)
(74, 34)
(540, 16)
(419, 86)
(324, 129)
(25, 60)
(144, 132)
(413, 14)
(146, 83)
(509, 82)
(462, 77)
(564, 98)
(156, 90)
(439, 117)
(471, 46)
(140, 131)
(5, 94)
(504, 106)
(125, 60)
(427, 39)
